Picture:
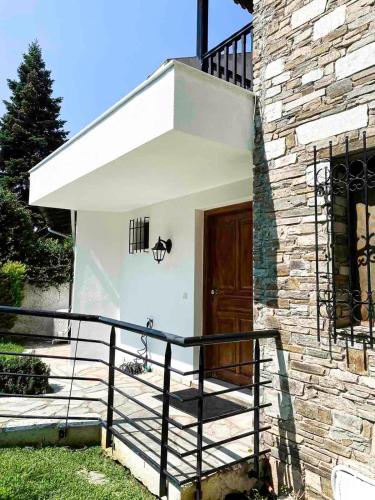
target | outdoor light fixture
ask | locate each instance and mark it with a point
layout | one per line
(160, 248)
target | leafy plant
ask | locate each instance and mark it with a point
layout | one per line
(16, 272)
(12, 279)
(50, 262)
(21, 384)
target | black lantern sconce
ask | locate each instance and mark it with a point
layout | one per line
(161, 247)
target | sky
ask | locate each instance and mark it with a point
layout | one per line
(99, 50)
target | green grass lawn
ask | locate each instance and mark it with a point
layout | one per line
(65, 474)
(10, 346)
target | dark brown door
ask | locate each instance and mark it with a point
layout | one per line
(228, 288)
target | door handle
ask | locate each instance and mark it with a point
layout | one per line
(214, 291)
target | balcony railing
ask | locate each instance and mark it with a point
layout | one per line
(114, 417)
(231, 60)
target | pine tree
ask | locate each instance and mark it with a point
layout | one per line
(31, 128)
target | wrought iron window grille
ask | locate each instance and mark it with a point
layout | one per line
(139, 235)
(345, 244)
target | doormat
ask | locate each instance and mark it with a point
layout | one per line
(213, 406)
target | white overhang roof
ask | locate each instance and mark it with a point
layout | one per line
(179, 132)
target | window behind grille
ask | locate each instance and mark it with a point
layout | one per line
(345, 222)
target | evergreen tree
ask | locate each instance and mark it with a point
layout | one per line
(31, 128)
(29, 131)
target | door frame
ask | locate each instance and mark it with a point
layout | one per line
(227, 209)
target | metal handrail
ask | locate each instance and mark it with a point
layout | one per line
(231, 59)
(142, 330)
(232, 38)
(162, 417)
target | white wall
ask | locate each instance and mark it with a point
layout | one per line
(111, 282)
(96, 276)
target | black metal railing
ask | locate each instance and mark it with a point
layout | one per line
(345, 242)
(231, 60)
(114, 417)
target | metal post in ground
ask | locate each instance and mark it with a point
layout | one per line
(111, 383)
(256, 406)
(198, 485)
(163, 486)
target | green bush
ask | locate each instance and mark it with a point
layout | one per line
(12, 279)
(16, 272)
(50, 263)
(20, 384)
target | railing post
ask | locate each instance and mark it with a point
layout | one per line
(163, 488)
(111, 383)
(256, 406)
(198, 486)
(202, 31)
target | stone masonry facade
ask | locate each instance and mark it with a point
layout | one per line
(314, 70)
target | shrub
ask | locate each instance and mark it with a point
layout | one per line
(50, 262)
(20, 384)
(16, 273)
(12, 279)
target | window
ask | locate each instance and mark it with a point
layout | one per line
(345, 243)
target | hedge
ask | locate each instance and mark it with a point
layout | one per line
(12, 279)
(20, 384)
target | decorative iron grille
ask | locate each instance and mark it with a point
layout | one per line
(345, 243)
(139, 235)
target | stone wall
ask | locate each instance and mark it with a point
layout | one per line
(314, 77)
(51, 298)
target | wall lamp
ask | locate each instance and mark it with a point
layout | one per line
(161, 247)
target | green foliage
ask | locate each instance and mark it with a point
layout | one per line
(10, 346)
(21, 384)
(62, 473)
(12, 280)
(17, 234)
(16, 272)
(30, 129)
(50, 262)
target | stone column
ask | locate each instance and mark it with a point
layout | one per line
(314, 69)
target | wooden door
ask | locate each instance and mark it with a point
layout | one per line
(228, 288)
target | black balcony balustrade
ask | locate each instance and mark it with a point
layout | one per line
(114, 417)
(231, 60)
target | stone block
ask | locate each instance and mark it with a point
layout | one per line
(313, 411)
(281, 404)
(312, 76)
(329, 22)
(357, 361)
(286, 160)
(339, 88)
(307, 12)
(284, 77)
(304, 99)
(273, 111)
(275, 149)
(331, 125)
(356, 61)
(274, 68)
(272, 91)
(346, 421)
(307, 368)
(313, 481)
